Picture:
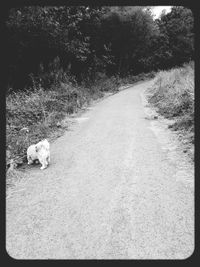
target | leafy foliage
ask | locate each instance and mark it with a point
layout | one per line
(173, 96)
(83, 41)
(175, 43)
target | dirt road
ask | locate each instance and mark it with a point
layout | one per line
(117, 188)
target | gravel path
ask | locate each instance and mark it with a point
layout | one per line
(118, 187)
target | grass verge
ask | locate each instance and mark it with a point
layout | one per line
(38, 113)
(173, 96)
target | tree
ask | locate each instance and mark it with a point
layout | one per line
(176, 39)
(40, 34)
(84, 41)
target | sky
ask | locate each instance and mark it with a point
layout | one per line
(157, 10)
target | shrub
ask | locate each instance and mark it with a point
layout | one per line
(173, 92)
(41, 111)
(173, 96)
(42, 108)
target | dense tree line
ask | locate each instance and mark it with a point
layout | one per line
(88, 41)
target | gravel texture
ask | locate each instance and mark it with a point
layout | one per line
(118, 187)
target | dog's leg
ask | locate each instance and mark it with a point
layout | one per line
(43, 166)
(46, 162)
(48, 159)
(29, 161)
(42, 161)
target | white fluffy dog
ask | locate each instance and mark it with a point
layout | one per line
(41, 152)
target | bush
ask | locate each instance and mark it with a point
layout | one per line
(173, 92)
(173, 96)
(41, 111)
(105, 84)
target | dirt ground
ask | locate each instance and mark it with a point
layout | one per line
(118, 187)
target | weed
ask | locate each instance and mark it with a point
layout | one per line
(173, 96)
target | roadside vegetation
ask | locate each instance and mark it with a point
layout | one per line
(61, 58)
(36, 114)
(173, 96)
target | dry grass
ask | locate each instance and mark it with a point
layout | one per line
(173, 96)
(41, 112)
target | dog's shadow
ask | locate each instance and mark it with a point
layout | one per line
(35, 165)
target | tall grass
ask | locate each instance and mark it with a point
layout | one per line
(173, 96)
(38, 113)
